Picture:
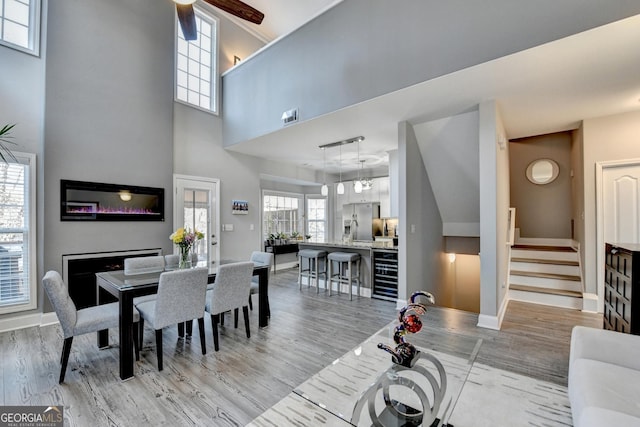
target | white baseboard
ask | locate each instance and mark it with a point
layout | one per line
(488, 322)
(494, 322)
(28, 321)
(285, 265)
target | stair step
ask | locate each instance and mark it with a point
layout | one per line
(546, 275)
(551, 291)
(544, 248)
(546, 261)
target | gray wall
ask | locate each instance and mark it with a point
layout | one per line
(605, 139)
(198, 150)
(577, 191)
(494, 211)
(22, 90)
(542, 210)
(109, 116)
(420, 253)
(366, 48)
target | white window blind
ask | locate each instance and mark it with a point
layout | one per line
(17, 287)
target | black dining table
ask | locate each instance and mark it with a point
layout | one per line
(126, 287)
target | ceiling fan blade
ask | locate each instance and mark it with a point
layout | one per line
(187, 19)
(239, 9)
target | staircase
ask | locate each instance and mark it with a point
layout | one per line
(545, 274)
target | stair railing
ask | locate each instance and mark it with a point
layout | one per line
(512, 227)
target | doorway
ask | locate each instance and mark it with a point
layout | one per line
(617, 210)
(196, 206)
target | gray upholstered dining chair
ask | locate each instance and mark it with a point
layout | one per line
(180, 298)
(229, 292)
(79, 322)
(263, 258)
(142, 265)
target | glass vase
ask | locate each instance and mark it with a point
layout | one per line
(185, 258)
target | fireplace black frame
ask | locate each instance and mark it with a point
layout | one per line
(95, 201)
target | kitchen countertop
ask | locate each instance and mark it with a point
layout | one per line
(353, 245)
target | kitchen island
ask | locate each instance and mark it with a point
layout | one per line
(366, 251)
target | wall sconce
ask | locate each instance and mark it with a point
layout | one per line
(125, 196)
(236, 59)
(452, 258)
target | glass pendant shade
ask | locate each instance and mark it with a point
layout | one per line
(340, 188)
(357, 186)
(324, 190)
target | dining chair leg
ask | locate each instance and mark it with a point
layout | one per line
(214, 326)
(140, 332)
(245, 311)
(181, 329)
(159, 348)
(136, 340)
(221, 317)
(66, 350)
(235, 318)
(189, 327)
(250, 304)
(202, 339)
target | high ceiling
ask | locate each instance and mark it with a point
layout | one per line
(283, 16)
(545, 89)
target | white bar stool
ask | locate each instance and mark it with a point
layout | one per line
(346, 274)
(315, 258)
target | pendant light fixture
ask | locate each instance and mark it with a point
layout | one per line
(340, 188)
(357, 184)
(324, 190)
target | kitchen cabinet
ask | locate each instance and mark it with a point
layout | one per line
(383, 195)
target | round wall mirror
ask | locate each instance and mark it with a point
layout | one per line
(542, 171)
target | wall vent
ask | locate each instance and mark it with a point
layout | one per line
(290, 116)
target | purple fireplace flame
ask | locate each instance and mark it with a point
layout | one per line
(82, 201)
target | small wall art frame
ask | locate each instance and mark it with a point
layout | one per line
(240, 207)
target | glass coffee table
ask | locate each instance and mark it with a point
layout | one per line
(365, 388)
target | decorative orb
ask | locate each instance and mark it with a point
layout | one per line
(412, 323)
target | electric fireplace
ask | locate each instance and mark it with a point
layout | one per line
(93, 201)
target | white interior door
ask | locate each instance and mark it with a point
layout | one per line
(196, 205)
(618, 216)
(621, 197)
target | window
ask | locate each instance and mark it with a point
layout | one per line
(317, 219)
(17, 234)
(281, 213)
(20, 25)
(197, 65)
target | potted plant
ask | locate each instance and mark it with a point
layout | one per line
(282, 236)
(6, 138)
(296, 236)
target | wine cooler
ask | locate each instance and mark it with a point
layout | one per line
(385, 274)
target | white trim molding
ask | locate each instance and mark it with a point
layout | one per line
(28, 321)
(600, 167)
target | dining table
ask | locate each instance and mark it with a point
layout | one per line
(126, 287)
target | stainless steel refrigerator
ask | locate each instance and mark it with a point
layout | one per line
(358, 220)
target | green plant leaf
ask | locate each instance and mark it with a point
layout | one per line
(6, 138)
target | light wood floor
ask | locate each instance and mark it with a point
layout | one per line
(247, 376)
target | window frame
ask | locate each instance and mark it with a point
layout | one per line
(35, 24)
(301, 209)
(214, 21)
(29, 160)
(326, 216)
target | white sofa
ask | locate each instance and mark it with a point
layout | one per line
(604, 378)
